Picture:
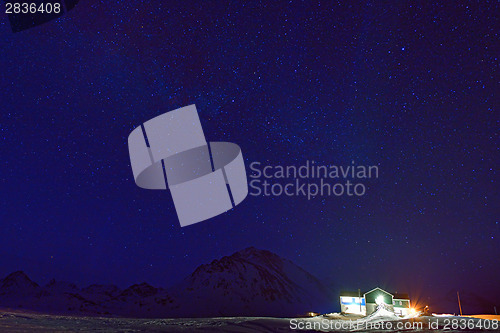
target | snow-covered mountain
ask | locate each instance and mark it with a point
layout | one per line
(18, 284)
(250, 282)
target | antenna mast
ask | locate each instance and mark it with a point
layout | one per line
(459, 305)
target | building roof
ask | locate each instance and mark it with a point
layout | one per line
(401, 296)
(351, 293)
(378, 289)
(356, 293)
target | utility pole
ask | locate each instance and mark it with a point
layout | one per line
(359, 298)
(495, 310)
(459, 305)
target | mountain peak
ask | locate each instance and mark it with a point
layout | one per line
(143, 290)
(252, 252)
(17, 275)
(17, 282)
(62, 285)
(253, 282)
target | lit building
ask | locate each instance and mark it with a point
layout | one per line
(401, 303)
(352, 302)
(365, 303)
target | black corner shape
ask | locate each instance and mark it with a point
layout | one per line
(27, 14)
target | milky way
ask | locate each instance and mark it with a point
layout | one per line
(408, 87)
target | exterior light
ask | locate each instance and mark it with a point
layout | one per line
(379, 300)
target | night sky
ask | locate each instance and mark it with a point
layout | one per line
(408, 86)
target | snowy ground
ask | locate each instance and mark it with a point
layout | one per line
(31, 322)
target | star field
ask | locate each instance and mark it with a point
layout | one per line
(409, 87)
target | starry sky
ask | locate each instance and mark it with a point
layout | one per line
(407, 86)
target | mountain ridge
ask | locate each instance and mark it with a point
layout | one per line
(249, 282)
